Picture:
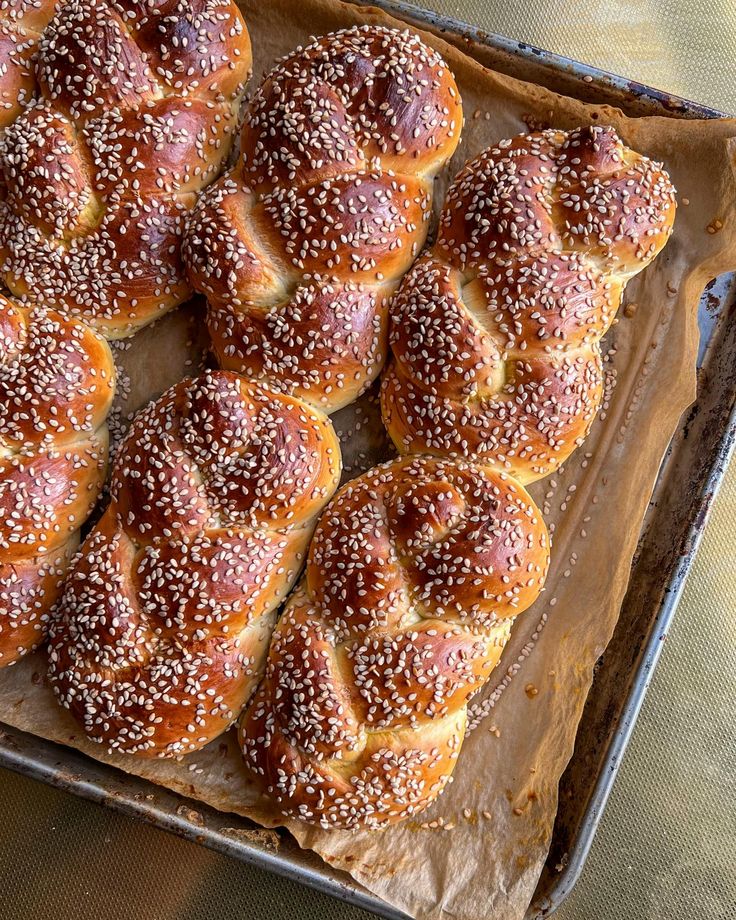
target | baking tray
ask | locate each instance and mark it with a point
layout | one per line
(677, 513)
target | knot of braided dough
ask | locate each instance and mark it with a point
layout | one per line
(414, 576)
(166, 615)
(21, 24)
(56, 385)
(136, 112)
(496, 331)
(300, 247)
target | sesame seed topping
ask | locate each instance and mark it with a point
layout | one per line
(415, 574)
(125, 111)
(300, 247)
(165, 618)
(56, 386)
(496, 331)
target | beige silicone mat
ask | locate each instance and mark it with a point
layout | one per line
(666, 848)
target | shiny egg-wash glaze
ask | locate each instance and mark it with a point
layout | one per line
(495, 332)
(21, 25)
(166, 615)
(301, 246)
(135, 112)
(414, 576)
(57, 379)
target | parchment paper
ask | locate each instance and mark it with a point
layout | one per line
(479, 851)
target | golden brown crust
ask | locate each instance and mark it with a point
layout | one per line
(21, 24)
(136, 110)
(166, 616)
(57, 380)
(415, 573)
(495, 333)
(300, 247)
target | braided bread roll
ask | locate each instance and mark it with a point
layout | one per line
(57, 380)
(299, 248)
(166, 616)
(137, 109)
(414, 576)
(496, 331)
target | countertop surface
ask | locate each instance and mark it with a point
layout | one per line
(666, 848)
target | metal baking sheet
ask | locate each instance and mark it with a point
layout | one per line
(678, 510)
